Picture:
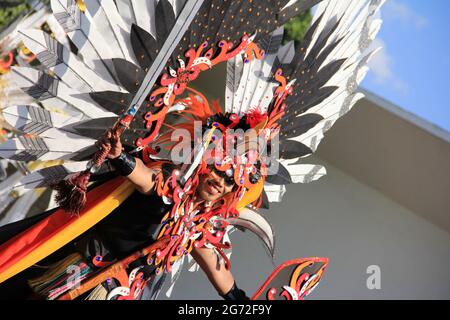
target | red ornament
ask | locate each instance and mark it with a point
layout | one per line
(255, 117)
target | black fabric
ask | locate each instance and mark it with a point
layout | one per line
(235, 294)
(124, 163)
(131, 226)
(17, 288)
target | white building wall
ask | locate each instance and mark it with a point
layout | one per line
(355, 226)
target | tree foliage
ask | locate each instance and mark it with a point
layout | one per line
(10, 10)
(296, 28)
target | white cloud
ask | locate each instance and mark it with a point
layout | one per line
(381, 68)
(394, 10)
(382, 63)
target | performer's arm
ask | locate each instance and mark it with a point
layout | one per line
(220, 277)
(133, 168)
(143, 177)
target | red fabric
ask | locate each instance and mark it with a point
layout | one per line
(21, 245)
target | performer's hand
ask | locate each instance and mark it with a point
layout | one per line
(111, 140)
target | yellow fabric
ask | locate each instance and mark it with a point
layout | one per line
(85, 222)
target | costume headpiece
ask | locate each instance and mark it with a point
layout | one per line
(295, 94)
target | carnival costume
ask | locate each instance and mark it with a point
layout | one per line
(127, 67)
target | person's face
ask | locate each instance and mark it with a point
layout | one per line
(213, 186)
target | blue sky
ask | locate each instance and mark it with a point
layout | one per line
(413, 69)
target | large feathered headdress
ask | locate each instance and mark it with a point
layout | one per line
(89, 76)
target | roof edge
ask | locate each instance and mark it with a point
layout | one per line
(410, 117)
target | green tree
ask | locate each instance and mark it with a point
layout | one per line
(10, 10)
(296, 28)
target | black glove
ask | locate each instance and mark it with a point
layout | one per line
(124, 164)
(235, 294)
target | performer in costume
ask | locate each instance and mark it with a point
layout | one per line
(279, 92)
